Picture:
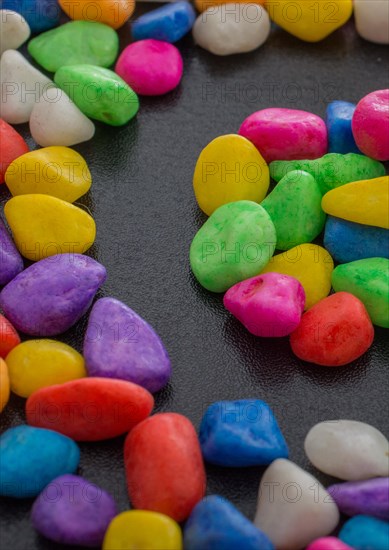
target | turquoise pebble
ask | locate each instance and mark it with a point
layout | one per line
(365, 533)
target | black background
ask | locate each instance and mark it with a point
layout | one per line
(146, 215)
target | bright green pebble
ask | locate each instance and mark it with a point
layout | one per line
(332, 170)
(294, 207)
(368, 280)
(75, 43)
(235, 243)
(99, 93)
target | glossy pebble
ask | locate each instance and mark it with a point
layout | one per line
(70, 282)
(12, 146)
(369, 497)
(202, 5)
(14, 30)
(216, 524)
(40, 15)
(370, 125)
(9, 338)
(11, 261)
(234, 244)
(31, 458)
(347, 449)
(340, 134)
(289, 511)
(286, 134)
(229, 169)
(4, 384)
(72, 510)
(268, 305)
(366, 533)
(168, 23)
(89, 409)
(241, 433)
(113, 13)
(143, 530)
(372, 20)
(334, 332)
(164, 466)
(150, 67)
(328, 543)
(120, 344)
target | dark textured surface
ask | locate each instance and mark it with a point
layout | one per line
(146, 216)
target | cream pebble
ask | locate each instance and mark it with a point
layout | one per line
(372, 20)
(14, 30)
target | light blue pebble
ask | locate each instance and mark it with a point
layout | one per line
(241, 433)
(41, 15)
(365, 533)
(32, 457)
(215, 524)
(340, 135)
(169, 23)
(348, 241)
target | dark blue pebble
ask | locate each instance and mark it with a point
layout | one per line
(169, 23)
(41, 15)
(340, 135)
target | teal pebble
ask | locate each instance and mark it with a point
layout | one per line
(365, 533)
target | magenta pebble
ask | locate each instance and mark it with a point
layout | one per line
(328, 543)
(370, 125)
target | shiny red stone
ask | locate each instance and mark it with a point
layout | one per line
(12, 146)
(9, 338)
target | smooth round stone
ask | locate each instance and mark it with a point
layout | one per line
(56, 171)
(56, 120)
(293, 508)
(364, 532)
(347, 449)
(11, 261)
(294, 206)
(268, 305)
(369, 497)
(234, 244)
(334, 332)
(89, 409)
(99, 93)
(216, 524)
(150, 67)
(168, 23)
(75, 43)
(31, 458)
(70, 282)
(241, 433)
(328, 543)
(4, 384)
(12, 146)
(9, 338)
(229, 169)
(113, 13)
(368, 280)
(40, 15)
(143, 530)
(21, 87)
(372, 20)
(340, 134)
(202, 5)
(164, 466)
(120, 344)
(370, 125)
(286, 134)
(311, 265)
(72, 510)
(14, 30)
(232, 28)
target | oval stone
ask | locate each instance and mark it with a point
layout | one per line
(9, 338)
(340, 134)
(4, 384)
(370, 125)
(14, 30)
(39, 14)
(11, 261)
(364, 532)
(369, 497)
(328, 543)
(111, 12)
(372, 20)
(12, 146)
(169, 23)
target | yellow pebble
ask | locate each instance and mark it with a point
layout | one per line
(308, 263)
(229, 169)
(364, 202)
(142, 530)
(309, 20)
(43, 226)
(37, 364)
(4, 384)
(57, 171)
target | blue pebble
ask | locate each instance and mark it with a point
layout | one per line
(340, 135)
(41, 15)
(169, 23)
(365, 533)
(348, 241)
(32, 457)
(241, 433)
(215, 524)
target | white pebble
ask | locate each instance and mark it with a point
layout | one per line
(348, 450)
(293, 507)
(232, 28)
(14, 30)
(372, 20)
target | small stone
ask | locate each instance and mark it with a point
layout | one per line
(365, 533)
(14, 30)
(41, 15)
(340, 134)
(113, 13)
(11, 261)
(4, 384)
(328, 543)
(370, 497)
(348, 449)
(372, 20)
(168, 23)
(12, 146)
(202, 5)
(9, 338)
(370, 124)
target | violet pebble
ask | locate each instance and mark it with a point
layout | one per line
(369, 497)
(11, 262)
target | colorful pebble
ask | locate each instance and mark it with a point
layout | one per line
(14, 30)
(41, 15)
(12, 146)
(4, 384)
(340, 134)
(202, 5)
(328, 543)
(372, 20)
(168, 23)
(370, 125)
(113, 13)
(369, 497)
(365, 533)
(9, 338)
(11, 261)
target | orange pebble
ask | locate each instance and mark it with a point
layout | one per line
(4, 385)
(202, 5)
(9, 338)
(110, 12)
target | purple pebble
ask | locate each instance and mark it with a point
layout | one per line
(370, 497)
(72, 510)
(11, 262)
(120, 344)
(50, 296)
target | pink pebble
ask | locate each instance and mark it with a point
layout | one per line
(267, 305)
(150, 67)
(286, 134)
(328, 543)
(370, 125)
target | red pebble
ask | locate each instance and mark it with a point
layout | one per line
(89, 409)
(164, 466)
(9, 338)
(334, 332)
(12, 146)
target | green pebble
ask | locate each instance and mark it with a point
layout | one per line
(75, 43)
(332, 170)
(294, 207)
(235, 243)
(368, 280)
(99, 93)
